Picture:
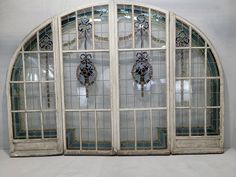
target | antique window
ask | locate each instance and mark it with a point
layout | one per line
(115, 79)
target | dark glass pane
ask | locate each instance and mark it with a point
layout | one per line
(212, 68)
(182, 122)
(31, 44)
(182, 34)
(213, 121)
(18, 125)
(45, 38)
(213, 92)
(17, 96)
(197, 40)
(17, 70)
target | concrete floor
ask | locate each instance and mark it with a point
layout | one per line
(220, 165)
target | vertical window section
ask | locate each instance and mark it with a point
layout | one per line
(32, 89)
(87, 79)
(197, 85)
(142, 78)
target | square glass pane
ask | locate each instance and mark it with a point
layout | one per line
(158, 21)
(48, 95)
(159, 129)
(182, 92)
(17, 70)
(17, 97)
(197, 40)
(127, 131)
(32, 96)
(34, 125)
(213, 92)
(182, 63)
(197, 122)
(18, 125)
(46, 66)
(70, 63)
(125, 33)
(182, 122)
(198, 92)
(31, 44)
(72, 130)
(212, 69)
(143, 130)
(31, 67)
(104, 130)
(88, 131)
(213, 121)
(101, 27)
(45, 38)
(49, 125)
(198, 63)
(182, 34)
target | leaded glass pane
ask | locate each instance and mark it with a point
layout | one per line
(32, 96)
(182, 34)
(49, 124)
(48, 95)
(212, 68)
(197, 122)
(182, 63)
(213, 121)
(17, 96)
(31, 67)
(182, 122)
(182, 92)
(197, 40)
(17, 70)
(198, 63)
(34, 125)
(45, 38)
(46, 66)
(18, 125)
(31, 44)
(198, 92)
(213, 92)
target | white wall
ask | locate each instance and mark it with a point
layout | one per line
(216, 18)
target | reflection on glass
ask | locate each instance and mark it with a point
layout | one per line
(34, 125)
(46, 66)
(198, 63)
(17, 96)
(198, 92)
(213, 92)
(18, 125)
(182, 122)
(31, 44)
(213, 121)
(197, 122)
(197, 40)
(212, 69)
(49, 125)
(31, 67)
(182, 63)
(182, 92)
(17, 70)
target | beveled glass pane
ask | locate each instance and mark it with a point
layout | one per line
(101, 27)
(31, 67)
(34, 125)
(182, 122)
(182, 34)
(198, 63)
(32, 96)
(69, 32)
(48, 95)
(213, 92)
(197, 40)
(31, 44)
(88, 131)
(182, 92)
(17, 96)
(104, 130)
(213, 121)
(158, 21)
(45, 38)
(159, 129)
(197, 122)
(17, 70)
(182, 63)
(143, 130)
(72, 130)
(46, 66)
(125, 33)
(85, 29)
(141, 27)
(127, 131)
(212, 68)
(198, 92)
(49, 125)
(18, 125)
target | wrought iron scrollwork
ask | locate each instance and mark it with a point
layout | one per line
(182, 39)
(84, 27)
(141, 25)
(142, 71)
(46, 42)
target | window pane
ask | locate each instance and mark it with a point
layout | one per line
(34, 125)
(17, 97)
(182, 63)
(17, 70)
(48, 95)
(213, 92)
(182, 122)
(197, 40)
(32, 96)
(46, 66)
(45, 38)
(213, 121)
(182, 92)
(31, 67)
(197, 122)
(18, 125)
(198, 92)
(198, 63)
(182, 34)
(49, 124)
(212, 69)
(31, 44)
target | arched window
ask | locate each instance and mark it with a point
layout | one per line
(115, 79)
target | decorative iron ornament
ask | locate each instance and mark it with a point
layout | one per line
(141, 26)
(86, 72)
(84, 28)
(46, 42)
(182, 39)
(142, 71)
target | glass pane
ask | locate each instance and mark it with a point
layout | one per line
(17, 97)
(182, 63)
(34, 125)
(143, 129)
(45, 38)
(198, 63)
(32, 96)
(88, 131)
(197, 122)
(101, 27)
(17, 70)
(182, 92)
(125, 26)
(182, 34)
(72, 130)
(182, 122)
(85, 28)
(158, 29)
(198, 92)
(127, 131)
(104, 130)
(212, 69)
(46, 66)
(159, 129)
(31, 44)
(48, 95)
(197, 40)
(213, 121)
(213, 92)
(49, 125)
(18, 125)
(68, 32)
(141, 27)
(31, 67)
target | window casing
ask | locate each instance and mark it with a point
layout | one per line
(175, 106)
